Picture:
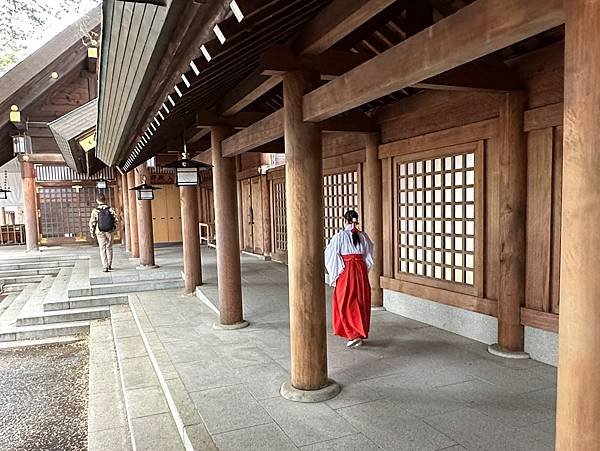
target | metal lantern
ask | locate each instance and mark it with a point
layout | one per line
(101, 183)
(22, 144)
(144, 191)
(186, 170)
(4, 190)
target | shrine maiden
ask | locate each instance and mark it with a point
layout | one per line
(348, 257)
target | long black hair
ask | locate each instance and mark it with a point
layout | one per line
(351, 216)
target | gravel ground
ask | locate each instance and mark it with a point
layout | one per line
(43, 397)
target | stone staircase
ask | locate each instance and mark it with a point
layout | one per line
(58, 296)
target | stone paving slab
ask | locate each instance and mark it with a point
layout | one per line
(411, 386)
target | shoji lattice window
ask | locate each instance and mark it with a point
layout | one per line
(439, 217)
(340, 193)
(279, 215)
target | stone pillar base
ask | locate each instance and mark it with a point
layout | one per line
(242, 324)
(496, 350)
(378, 309)
(289, 392)
(145, 267)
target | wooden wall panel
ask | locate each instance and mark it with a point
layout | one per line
(539, 218)
(257, 217)
(433, 111)
(248, 243)
(174, 213)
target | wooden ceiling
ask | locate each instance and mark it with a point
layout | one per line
(237, 62)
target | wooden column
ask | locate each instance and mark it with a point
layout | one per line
(144, 220)
(306, 265)
(133, 223)
(513, 214)
(228, 245)
(192, 267)
(578, 407)
(125, 197)
(30, 205)
(373, 215)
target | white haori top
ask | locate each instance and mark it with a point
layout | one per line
(341, 244)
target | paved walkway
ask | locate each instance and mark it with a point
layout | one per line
(411, 387)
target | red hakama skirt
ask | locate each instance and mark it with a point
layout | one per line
(352, 299)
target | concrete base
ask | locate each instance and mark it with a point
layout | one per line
(378, 309)
(496, 350)
(145, 267)
(242, 324)
(289, 392)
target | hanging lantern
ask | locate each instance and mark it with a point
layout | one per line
(186, 169)
(22, 144)
(4, 190)
(144, 191)
(101, 183)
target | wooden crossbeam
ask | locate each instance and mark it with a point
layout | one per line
(262, 132)
(279, 59)
(271, 128)
(250, 89)
(336, 21)
(476, 30)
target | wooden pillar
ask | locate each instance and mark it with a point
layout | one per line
(192, 267)
(373, 214)
(133, 223)
(512, 227)
(125, 197)
(144, 220)
(2, 216)
(578, 407)
(306, 265)
(30, 205)
(228, 245)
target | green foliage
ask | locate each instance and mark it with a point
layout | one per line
(23, 21)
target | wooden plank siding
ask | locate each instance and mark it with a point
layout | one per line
(415, 126)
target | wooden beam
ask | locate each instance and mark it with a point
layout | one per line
(335, 22)
(259, 133)
(474, 77)
(250, 89)
(206, 119)
(476, 30)
(279, 59)
(42, 158)
(276, 146)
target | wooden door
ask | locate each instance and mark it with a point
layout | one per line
(248, 244)
(173, 213)
(257, 216)
(160, 222)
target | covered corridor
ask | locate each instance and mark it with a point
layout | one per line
(411, 387)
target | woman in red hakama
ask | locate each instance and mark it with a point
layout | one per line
(348, 257)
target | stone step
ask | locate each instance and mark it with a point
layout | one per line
(29, 272)
(20, 279)
(85, 302)
(41, 332)
(64, 316)
(126, 287)
(190, 425)
(44, 258)
(151, 423)
(97, 277)
(13, 287)
(8, 316)
(35, 265)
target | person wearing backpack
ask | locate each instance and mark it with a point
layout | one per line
(103, 223)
